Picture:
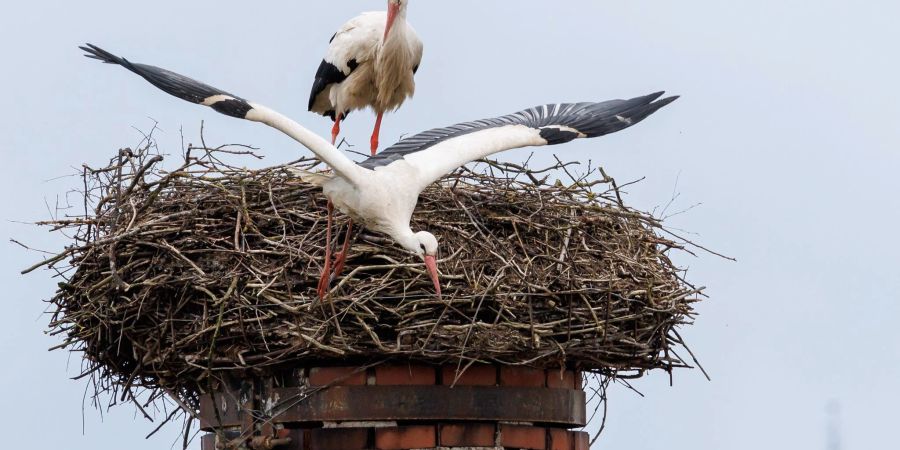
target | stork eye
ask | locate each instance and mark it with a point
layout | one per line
(422, 246)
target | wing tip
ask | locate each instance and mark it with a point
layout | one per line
(653, 105)
(177, 85)
(655, 95)
(94, 52)
(666, 101)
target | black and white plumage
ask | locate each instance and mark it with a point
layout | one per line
(178, 85)
(370, 62)
(557, 123)
(382, 192)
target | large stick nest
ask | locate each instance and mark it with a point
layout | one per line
(175, 277)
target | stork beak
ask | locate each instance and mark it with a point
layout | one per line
(393, 10)
(431, 264)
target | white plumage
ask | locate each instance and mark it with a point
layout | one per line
(382, 192)
(371, 62)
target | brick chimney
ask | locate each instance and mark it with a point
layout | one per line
(399, 407)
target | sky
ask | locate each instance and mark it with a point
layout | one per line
(785, 138)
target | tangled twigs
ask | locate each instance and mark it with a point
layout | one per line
(176, 277)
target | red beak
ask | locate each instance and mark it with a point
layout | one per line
(393, 10)
(431, 264)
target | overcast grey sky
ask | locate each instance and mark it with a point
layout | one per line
(787, 133)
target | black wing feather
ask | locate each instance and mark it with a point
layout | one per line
(589, 119)
(175, 84)
(328, 74)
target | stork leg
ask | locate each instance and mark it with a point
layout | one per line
(326, 271)
(336, 129)
(376, 133)
(341, 258)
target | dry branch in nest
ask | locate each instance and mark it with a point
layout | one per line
(178, 277)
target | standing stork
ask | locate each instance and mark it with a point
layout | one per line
(382, 192)
(371, 62)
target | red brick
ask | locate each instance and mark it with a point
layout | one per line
(468, 435)
(403, 438)
(560, 380)
(521, 377)
(517, 436)
(405, 376)
(338, 439)
(582, 441)
(337, 376)
(561, 439)
(479, 375)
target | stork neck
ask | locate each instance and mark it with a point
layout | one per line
(342, 165)
(398, 30)
(401, 13)
(406, 238)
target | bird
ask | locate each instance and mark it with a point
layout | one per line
(371, 62)
(382, 192)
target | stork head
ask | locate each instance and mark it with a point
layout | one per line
(425, 245)
(395, 8)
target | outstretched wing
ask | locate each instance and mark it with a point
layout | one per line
(178, 85)
(440, 151)
(231, 105)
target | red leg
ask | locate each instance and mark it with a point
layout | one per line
(325, 278)
(336, 129)
(341, 257)
(376, 133)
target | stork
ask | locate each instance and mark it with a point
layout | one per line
(371, 62)
(381, 192)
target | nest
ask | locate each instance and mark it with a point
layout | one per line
(176, 277)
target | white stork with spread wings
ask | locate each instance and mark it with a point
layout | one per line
(382, 192)
(371, 62)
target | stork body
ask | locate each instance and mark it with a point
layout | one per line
(371, 62)
(381, 192)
